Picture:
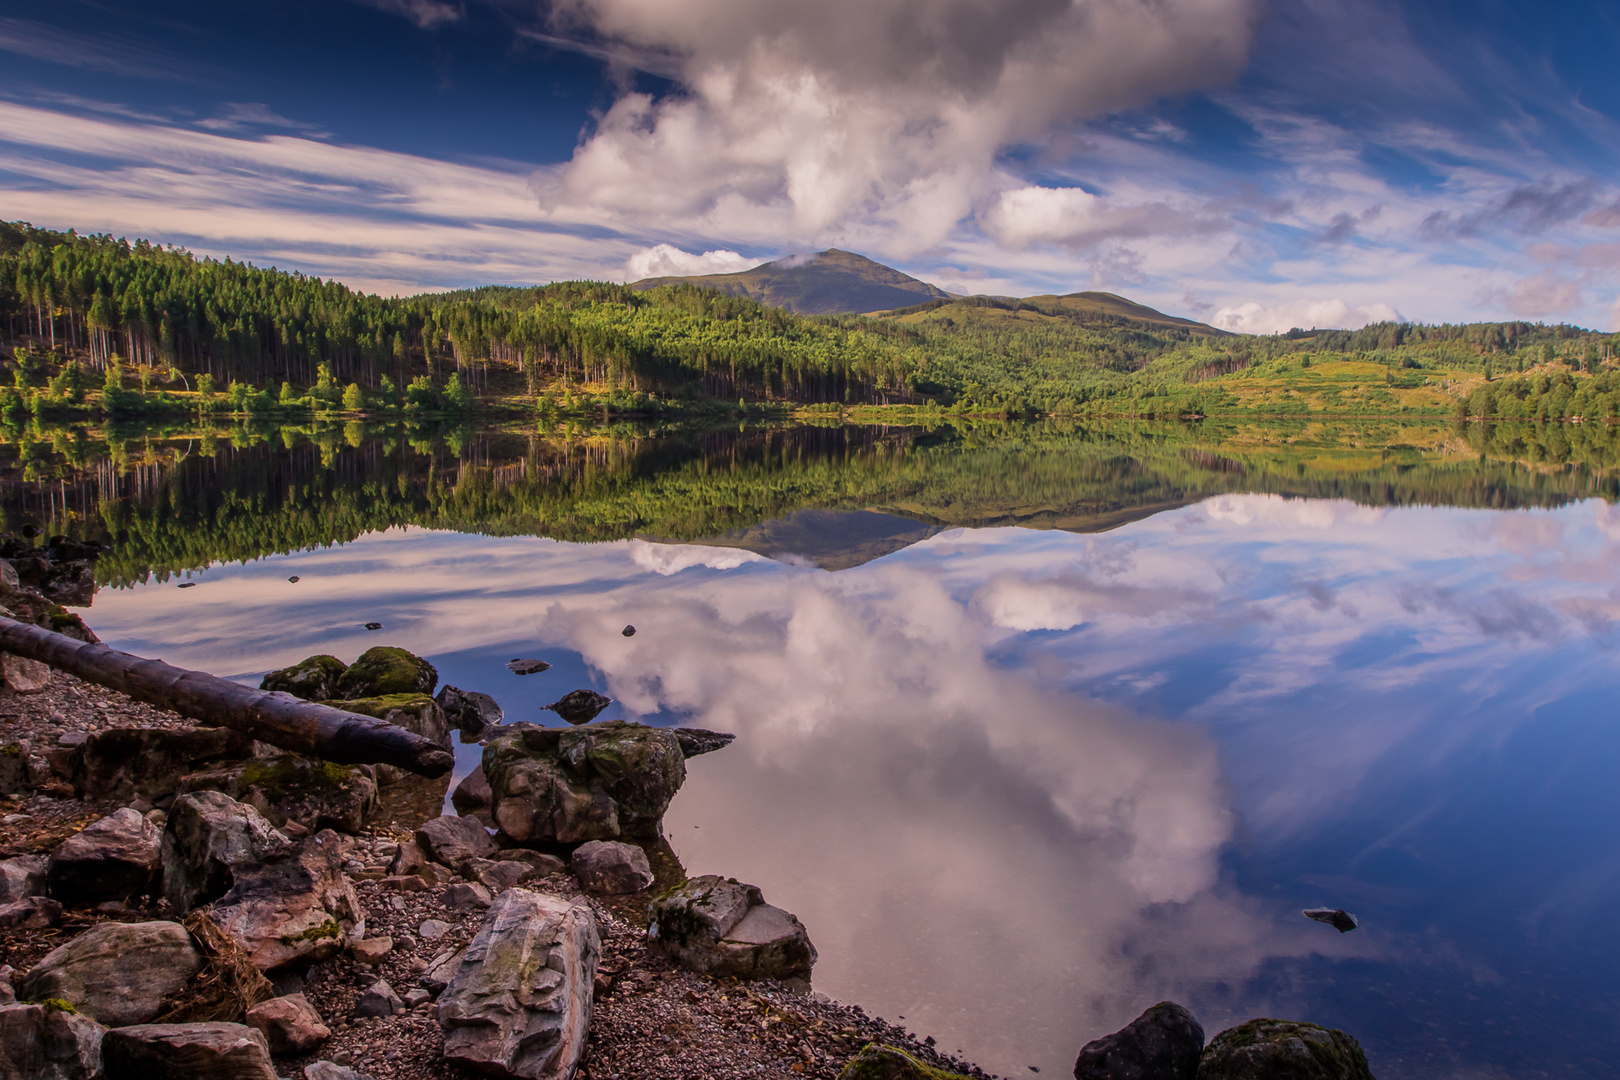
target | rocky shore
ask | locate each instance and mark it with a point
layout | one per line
(186, 903)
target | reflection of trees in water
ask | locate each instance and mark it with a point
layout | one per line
(167, 503)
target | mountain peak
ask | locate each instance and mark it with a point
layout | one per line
(831, 282)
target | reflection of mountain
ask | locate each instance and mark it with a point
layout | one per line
(166, 505)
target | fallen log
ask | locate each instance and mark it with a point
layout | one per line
(276, 718)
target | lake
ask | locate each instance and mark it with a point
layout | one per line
(1036, 725)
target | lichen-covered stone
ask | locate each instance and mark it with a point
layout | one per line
(386, 670)
(117, 973)
(722, 927)
(208, 837)
(42, 1042)
(519, 1005)
(313, 679)
(114, 858)
(594, 783)
(1267, 1049)
(290, 787)
(1164, 1043)
(877, 1062)
(210, 1051)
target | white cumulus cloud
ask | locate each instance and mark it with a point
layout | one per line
(1076, 218)
(1335, 314)
(667, 260)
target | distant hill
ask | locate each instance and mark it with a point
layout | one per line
(1010, 312)
(830, 282)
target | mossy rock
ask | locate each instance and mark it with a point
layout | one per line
(886, 1063)
(1267, 1049)
(386, 670)
(313, 679)
(317, 794)
(413, 712)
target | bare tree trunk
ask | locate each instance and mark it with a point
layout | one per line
(279, 719)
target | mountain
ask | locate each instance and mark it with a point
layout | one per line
(1006, 312)
(830, 282)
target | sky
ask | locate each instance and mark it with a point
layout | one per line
(1258, 166)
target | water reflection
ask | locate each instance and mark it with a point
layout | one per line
(1020, 785)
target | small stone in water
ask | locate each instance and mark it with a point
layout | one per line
(1338, 918)
(373, 626)
(186, 585)
(293, 579)
(580, 707)
(628, 631)
(527, 667)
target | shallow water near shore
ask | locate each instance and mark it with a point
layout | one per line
(1031, 733)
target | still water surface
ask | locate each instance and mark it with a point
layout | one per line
(1022, 783)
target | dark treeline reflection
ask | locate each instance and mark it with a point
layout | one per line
(167, 501)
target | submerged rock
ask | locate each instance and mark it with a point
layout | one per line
(313, 679)
(1164, 1043)
(580, 706)
(114, 858)
(1338, 918)
(1268, 1049)
(612, 868)
(384, 671)
(596, 783)
(210, 1051)
(117, 973)
(519, 1004)
(45, 1042)
(721, 927)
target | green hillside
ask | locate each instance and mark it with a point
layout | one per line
(831, 282)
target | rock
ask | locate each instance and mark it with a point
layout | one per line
(520, 1004)
(598, 783)
(8, 995)
(42, 1042)
(499, 876)
(472, 794)
(628, 631)
(417, 996)
(23, 676)
(413, 712)
(580, 706)
(114, 858)
(607, 866)
(695, 741)
(454, 840)
(331, 1070)
(295, 909)
(464, 896)
(542, 864)
(373, 626)
(289, 787)
(384, 671)
(404, 883)
(313, 679)
(31, 913)
(408, 859)
(371, 951)
(207, 838)
(433, 929)
(22, 875)
(876, 1062)
(72, 581)
(469, 710)
(117, 973)
(720, 927)
(1268, 1049)
(379, 1000)
(123, 762)
(1163, 1043)
(527, 667)
(211, 1051)
(293, 580)
(1338, 918)
(290, 1025)
(441, 970)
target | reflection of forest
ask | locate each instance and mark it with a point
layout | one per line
(167, 502)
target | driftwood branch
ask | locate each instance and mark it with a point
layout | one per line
(276, 718)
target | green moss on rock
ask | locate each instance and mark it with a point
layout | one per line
(386, 670)
(886, 1063)
(59, 1005)
(1266, 1049)
(328, 929)
(313, 679)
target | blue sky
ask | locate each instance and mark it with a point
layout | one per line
(1303, 163)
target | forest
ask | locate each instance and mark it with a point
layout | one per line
(99, 325)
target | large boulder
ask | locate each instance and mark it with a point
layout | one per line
(1267, 1049)
(607, 866)
(520, 1003)
(124, 762)
(455, 841)
(1163, 1043)
(208, 1051)
(594, 783)
(114, 858)
(289, 787)
(21, 876)
(385, 671)
(469, 710)
(117, 973)
(295, 909)
(210, 836)
(876, 1062)
(47, 1042)
(721, 927)
(313, 679)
